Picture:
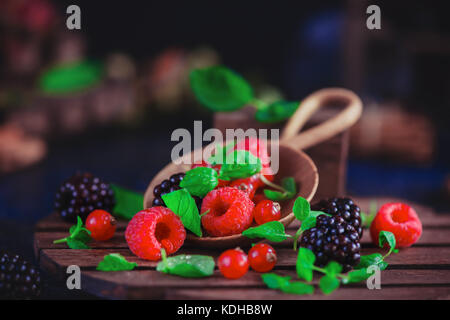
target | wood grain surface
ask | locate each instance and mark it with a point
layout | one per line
(419, 272)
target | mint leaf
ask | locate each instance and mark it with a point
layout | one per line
(184, 206)
(188, 266)
(273, 231)
(301, 208)
(276, 112)
(76, 244)
(274, 195)
(240, 164)
(328, 284)
(274, 281)
(220, 89)
(288, 187)
(115, 262)
(199, 181)
(305, 264)
(297, 287)
(128, 202)
(220, 153)
(386, 237)
(368, 260)
(82, 235)
(333, 268)
(357, 276)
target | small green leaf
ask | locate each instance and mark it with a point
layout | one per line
(305, 264)
(274, 281)
(188, 266)
(220, 89)
(199, 181)
(220, 153)
(297, 287)
(274, 195)
(333, 268)
(368, 260)
(115, 262)
(240, 164)
(328, 284)
(184, 206)
(128, 202)
(76, 244)
(289, 185)
(301, 208)
(288, 189)
(386, 237)
(276, 112)
(357, 276)
(273, 231)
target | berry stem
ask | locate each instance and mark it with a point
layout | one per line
(297, 235)
(60, 240)
(271, 184)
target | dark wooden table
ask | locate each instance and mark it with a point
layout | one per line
(419, 272)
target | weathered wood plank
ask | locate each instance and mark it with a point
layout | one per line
(386, 293)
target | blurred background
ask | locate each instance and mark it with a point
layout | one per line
(106, 98)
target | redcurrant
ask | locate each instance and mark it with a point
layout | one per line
(246, 185)
(266, 211)
(101, 224)
(262, 257)
(233, 263)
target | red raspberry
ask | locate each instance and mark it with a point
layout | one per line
(401, 220)
(233, 263)
(101, 224)
(266, 211)
(152, 229)
(262, 257)
(230, 211)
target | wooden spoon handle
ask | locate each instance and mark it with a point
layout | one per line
(339, 123)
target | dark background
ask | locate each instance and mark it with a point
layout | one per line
(297, 48)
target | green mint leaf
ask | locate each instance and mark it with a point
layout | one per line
(128, 202)
(357, 276)
(115, 262)
(301, 208)
(288, 189)
(199, 181)
(240, 164)
(276, 111)
(305, 264)
(368, 260)
(333, 268)
(273, 231)
(76, 244)
(386, 237)
(328, 284)
(220, 153)
(382, 265)
(274, 195)
(183, 205)
(289, 185)
(274, 281)
(220, 89)
(82, 235)
(297, 287)
(188, 266)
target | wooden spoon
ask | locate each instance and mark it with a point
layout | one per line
(293, 162)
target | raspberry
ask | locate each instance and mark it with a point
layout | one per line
(401, 220)
(333, 240)
(230, 211)
(152, 229)
(343, 207)
(81, 194)
(248, 185)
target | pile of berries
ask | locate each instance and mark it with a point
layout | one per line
(335, 237)
(81, 194)
(18, 278)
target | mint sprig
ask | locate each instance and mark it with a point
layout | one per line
(287, 190)
(115, 262)
(184, 206)
(199, 181)
(78, 238)
(187, 266)
(284, 284)
(272, 231)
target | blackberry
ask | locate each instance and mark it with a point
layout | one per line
(169, 185)
(81, 194)
(332, 239)
(343, 207)
(19, 279)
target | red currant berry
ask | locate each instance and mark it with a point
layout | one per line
(101, 224)
(233, 263)
(262, 257)
(266, 211)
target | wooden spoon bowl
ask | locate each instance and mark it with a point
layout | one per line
(293, 162)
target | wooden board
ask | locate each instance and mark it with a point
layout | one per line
(420, 272)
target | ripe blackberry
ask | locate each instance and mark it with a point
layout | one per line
(81, 194)
(18, 278)
(169, 185)
(332, 239)
(343, 207)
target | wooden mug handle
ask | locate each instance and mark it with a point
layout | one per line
(324, 131)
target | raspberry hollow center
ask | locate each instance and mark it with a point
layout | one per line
(221, 208)
(162, 231)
